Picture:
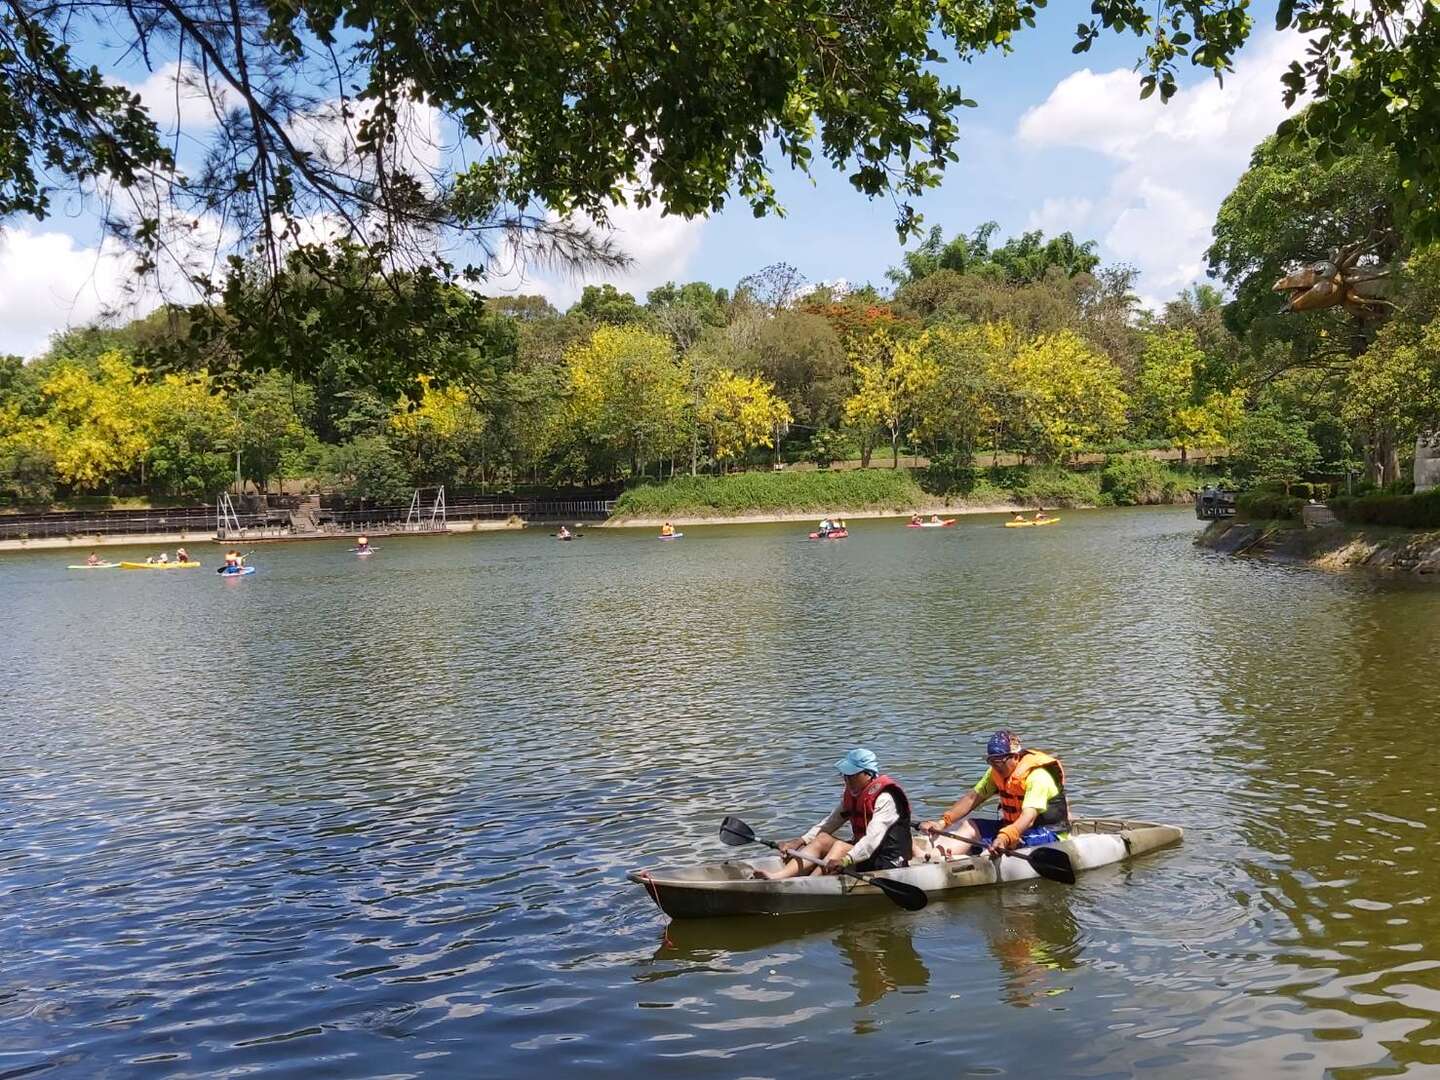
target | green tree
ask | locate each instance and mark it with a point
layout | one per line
(441, 436)
(191, 429)
(271, 419)
(607, 304)
(1272, 448)
(368, 467)
(1170, 402)
(96, 423)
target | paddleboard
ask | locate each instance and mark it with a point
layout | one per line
(237, 573)
(672, 536)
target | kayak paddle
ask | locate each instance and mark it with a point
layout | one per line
(735, 832)
(1050, 863)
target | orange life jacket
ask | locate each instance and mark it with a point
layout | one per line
(858, 809)
(1012, 789)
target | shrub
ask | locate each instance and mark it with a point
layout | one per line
(1273, 505)
(1404, 511)
(1142, 481)
(951, 472)
(1051, 486)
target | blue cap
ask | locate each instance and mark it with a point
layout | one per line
(1001, 744)
(857, 760)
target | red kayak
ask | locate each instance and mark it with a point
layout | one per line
(833, 534)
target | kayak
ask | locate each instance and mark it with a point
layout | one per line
(833, 534)
(727, 888)
(930, 524)
(94, 566)
(672, 536)
(1028, 524)
(158, 565)
(241, 572)
(366, 551)
(570, 537)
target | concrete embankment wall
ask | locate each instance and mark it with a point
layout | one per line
(1332, 547)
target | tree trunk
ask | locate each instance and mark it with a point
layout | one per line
(1184, 456)
(894, 448)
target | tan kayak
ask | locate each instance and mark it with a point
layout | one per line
(728, 888)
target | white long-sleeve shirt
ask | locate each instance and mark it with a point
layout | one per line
(886, 813)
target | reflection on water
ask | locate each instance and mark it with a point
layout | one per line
(354, 817)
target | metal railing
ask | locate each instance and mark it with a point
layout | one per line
(107, 523)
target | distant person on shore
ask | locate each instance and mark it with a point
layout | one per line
(93, 560)
(667, 529)
(878, 813)
(181, 555)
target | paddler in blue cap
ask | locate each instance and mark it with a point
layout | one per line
(1033, 806)
(879, 816)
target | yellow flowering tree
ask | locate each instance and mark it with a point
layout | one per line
(96, 423)
(441, 435)
(1066, 396)
(740, 412)
(892, 379)
(627, 397)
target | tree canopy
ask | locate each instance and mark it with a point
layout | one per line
(398, 125)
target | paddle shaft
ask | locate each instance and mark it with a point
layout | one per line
(881, 883)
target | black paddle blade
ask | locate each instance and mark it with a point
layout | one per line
(1053, 864)
(735, 832)
(907, 896)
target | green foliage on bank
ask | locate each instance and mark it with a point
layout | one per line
(1420, 511)
(793, 492)
(1268, 505)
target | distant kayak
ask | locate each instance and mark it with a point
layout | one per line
(95, 566)
(1028, 524)
(159, 565)
(364, 551)
(833, 534)
(930, 524)
(672, 536)
(236, 572)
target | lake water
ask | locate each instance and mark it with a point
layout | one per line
(353, 817)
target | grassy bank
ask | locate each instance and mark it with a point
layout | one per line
(774, 493)
(1125, 481)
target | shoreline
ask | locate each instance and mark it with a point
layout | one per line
(768, 517)
(1327, 547)
(60, 543)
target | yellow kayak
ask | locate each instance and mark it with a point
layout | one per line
(1028, 524)
(159, 565)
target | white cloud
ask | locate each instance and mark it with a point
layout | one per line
(49, 282)
(176, 100)
(1174, 163)
(1063, 214)
(660, 246)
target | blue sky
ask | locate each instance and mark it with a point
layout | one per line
(1058, 142)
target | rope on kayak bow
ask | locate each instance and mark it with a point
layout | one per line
(654, 892)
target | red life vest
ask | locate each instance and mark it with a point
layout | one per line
(859, 809)
(1012, 789)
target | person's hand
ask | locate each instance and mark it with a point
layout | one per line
(1005, 839)
(834, 863)
(932, 827)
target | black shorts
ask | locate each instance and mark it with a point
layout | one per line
(879, 862)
